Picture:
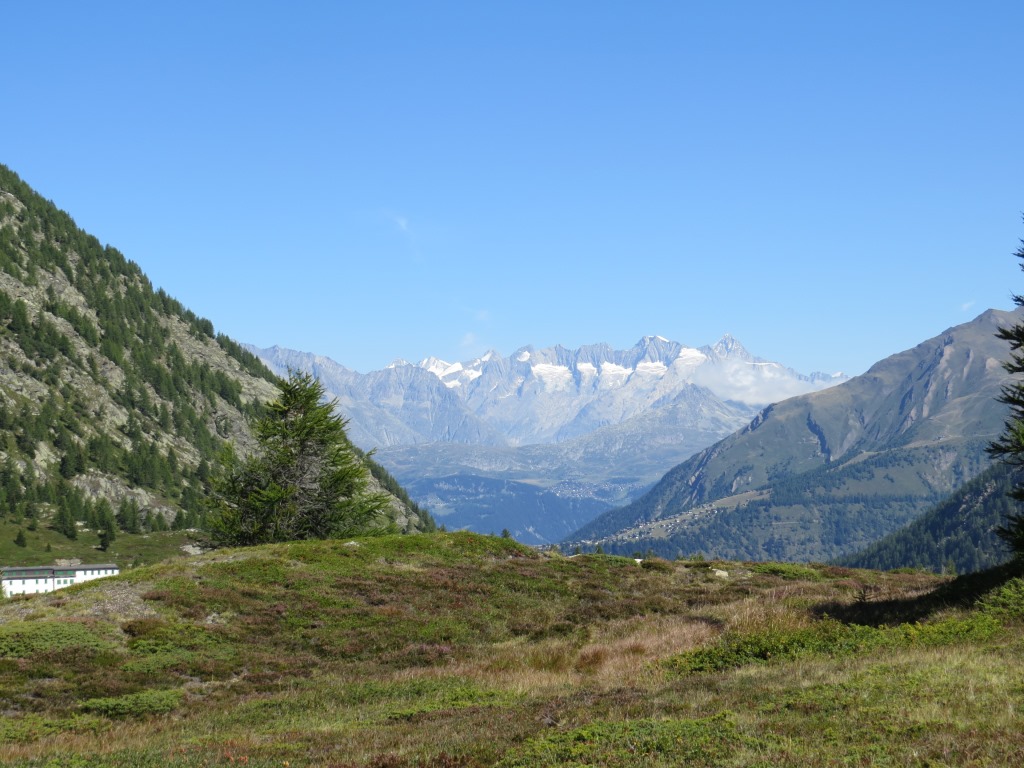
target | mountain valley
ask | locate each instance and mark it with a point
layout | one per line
(116, 400)
(560, 434)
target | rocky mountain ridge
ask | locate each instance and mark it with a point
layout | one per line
(540, 396)
(831, 471)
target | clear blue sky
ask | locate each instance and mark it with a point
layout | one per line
(830, 182)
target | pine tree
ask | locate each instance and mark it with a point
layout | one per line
(19, 540)
(179, 523)
(66, 523)
(303, 481)
(128, 516)
(1010, 444)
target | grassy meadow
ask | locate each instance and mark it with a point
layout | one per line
(446, 650)
(44, 545)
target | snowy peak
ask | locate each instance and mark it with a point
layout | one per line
(435, 365)
(552, 394)
(548, 395)
(729, 347)
(727, 368)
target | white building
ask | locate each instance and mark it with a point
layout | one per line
(31, 580)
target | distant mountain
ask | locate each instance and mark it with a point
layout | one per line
(564, 433)
(832, 471)
(400, 405)
(557, 394)
(540, 396)
(111, 393)
(958, 534)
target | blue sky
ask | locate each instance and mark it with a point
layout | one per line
(830, 182)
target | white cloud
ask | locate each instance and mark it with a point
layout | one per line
(967, 305)
(468, 340)
(406, 230)
(400, 221)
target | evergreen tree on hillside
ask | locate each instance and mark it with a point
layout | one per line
(1010, 445)
(303, 481)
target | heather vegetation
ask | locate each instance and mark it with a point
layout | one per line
(465, 650)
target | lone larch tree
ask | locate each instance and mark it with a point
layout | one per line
(304, 480)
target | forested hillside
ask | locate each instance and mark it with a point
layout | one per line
(114, 398)
(958, 535)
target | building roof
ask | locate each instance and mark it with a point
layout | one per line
(26, 570)
(36, 571)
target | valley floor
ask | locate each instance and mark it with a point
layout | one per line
(461, 650)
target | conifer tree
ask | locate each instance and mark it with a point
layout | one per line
(128, 516)
(179, 523)
(65, 523)
(304, 480)
(106, 519)
(1010, 444)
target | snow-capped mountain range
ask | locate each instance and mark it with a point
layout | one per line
(610, 420)
(541, 396)
(653, 364)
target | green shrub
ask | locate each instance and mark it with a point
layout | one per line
(826, 637)
(706, 742)
(23, 639)
(788, 571)
(1007, 601)
(977, 627)
(140, 704)
(829, 637)
(656, 564)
